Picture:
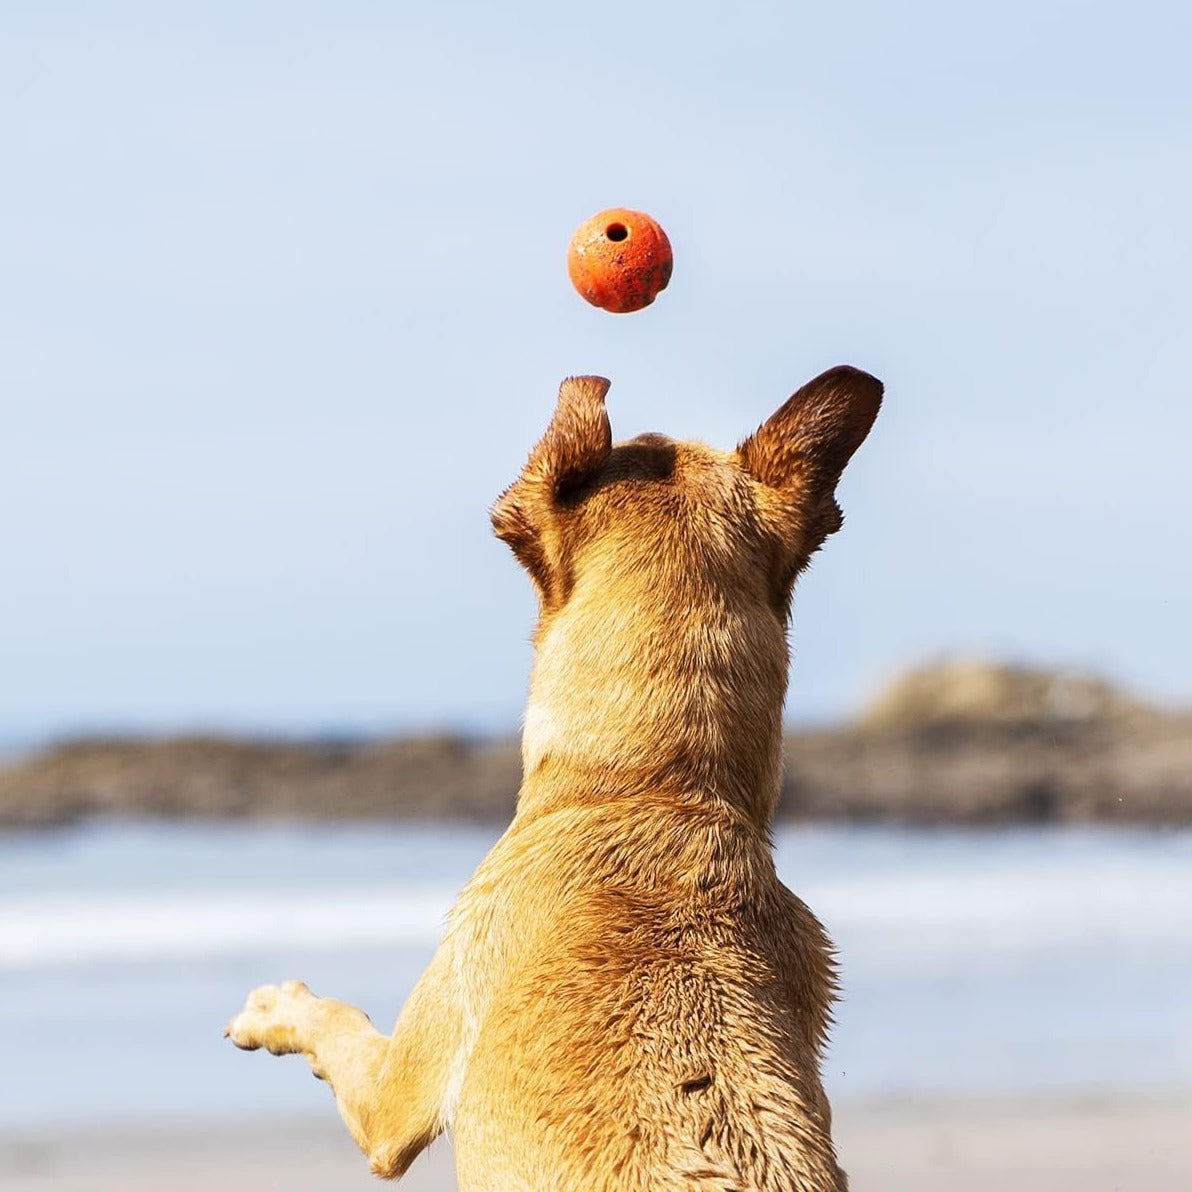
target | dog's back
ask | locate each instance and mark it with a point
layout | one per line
(659, 1011)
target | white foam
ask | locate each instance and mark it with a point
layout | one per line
(974, 907)
(59, 929)
(1004, 916)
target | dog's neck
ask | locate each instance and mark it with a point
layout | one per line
(643, 696)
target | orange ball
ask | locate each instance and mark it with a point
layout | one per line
(620, 260)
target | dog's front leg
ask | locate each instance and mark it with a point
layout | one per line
(342, 1045)
(391, 1091)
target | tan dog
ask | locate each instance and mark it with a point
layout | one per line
(626, 996)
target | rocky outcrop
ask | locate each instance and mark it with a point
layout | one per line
(983, 742)
(960, 744)
(1138, 770)
(220, 778)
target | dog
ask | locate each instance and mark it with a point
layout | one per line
(626, 997)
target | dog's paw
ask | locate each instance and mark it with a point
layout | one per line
(274, 1017)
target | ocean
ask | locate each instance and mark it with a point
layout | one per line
(1051, 960)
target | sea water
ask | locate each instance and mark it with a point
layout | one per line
(975, 961)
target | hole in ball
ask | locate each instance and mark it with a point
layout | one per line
(617, 231)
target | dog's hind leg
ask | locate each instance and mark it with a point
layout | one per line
(391, 1091)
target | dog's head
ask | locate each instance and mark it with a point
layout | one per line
(664, 570)
(748, 519)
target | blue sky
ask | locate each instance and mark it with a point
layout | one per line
(283, 304)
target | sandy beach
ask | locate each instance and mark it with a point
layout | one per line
(1034, 1144)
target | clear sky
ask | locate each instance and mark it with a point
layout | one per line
(283, 305)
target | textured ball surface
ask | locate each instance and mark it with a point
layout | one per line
(620, 260)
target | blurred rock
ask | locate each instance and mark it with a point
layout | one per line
(976, 691)
(214, 777)
(965, 743)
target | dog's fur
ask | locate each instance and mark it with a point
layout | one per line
(626, 996)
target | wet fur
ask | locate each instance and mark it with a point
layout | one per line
(626, 996)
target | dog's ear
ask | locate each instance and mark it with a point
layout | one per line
(809, 440)
(575, 447)
(802, 449)
(577, 441)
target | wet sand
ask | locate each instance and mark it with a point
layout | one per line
(1032, 1144)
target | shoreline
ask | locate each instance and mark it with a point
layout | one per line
(1032, 1143)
